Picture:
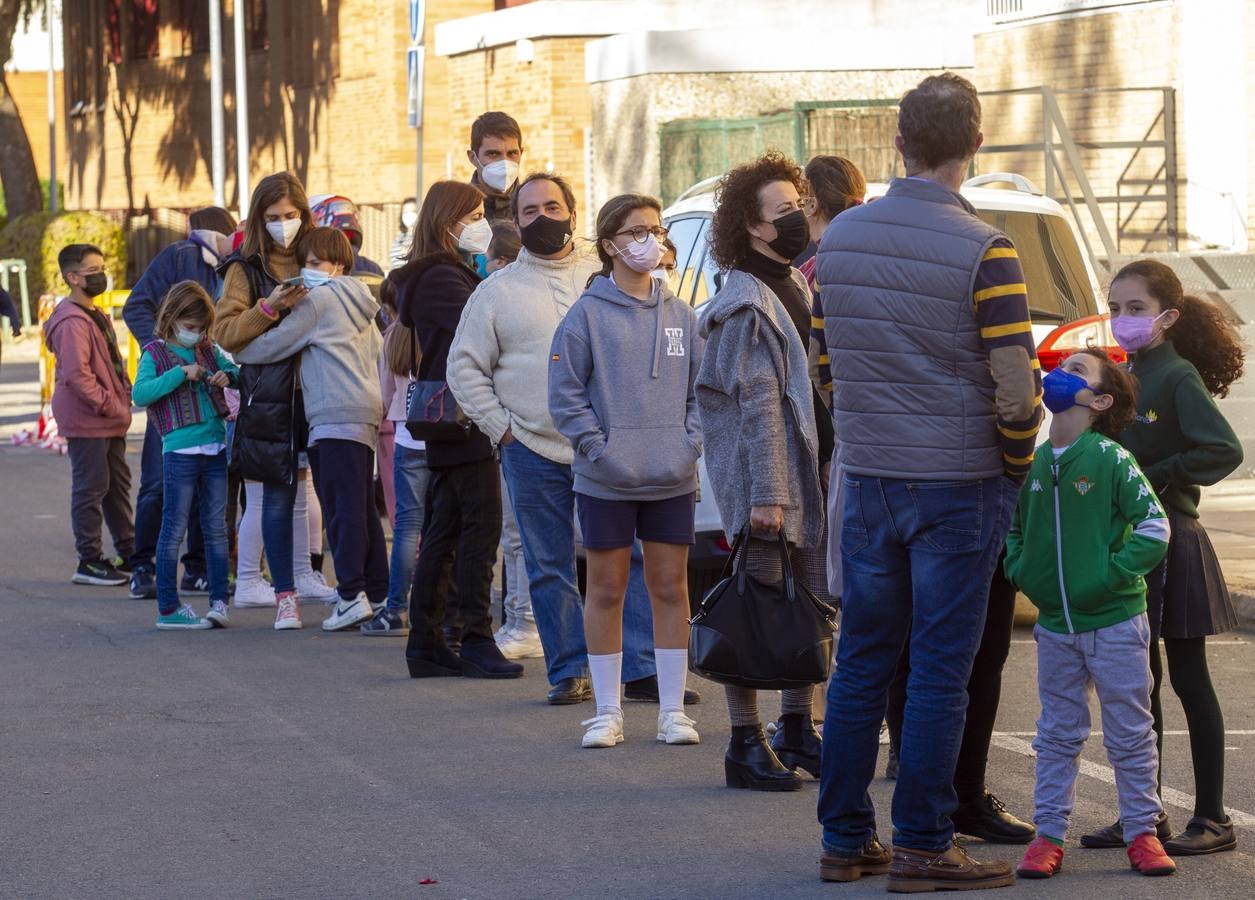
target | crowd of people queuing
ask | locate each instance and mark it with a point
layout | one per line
(878, 407)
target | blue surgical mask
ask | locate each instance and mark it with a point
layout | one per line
(314, 278)
(1059, 390)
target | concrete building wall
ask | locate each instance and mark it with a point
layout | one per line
(30, 94)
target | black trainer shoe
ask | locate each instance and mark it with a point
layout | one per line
(143, 584)
(194, 584)
(1113, 835)
(386, 622)
(1203, 836)
(98, 572)
(645, 690)
(987, 818)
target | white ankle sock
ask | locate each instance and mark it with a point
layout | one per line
(673, 668)
(249, 549)
(606, 669)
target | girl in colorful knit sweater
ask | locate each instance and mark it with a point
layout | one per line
(181, 379)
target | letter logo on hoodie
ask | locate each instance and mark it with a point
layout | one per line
(675, 341)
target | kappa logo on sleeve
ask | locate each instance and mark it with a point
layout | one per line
(675, 341)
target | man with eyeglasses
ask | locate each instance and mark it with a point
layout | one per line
(91, 402)
(499, 372)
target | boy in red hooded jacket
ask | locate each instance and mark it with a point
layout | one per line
(91, 401)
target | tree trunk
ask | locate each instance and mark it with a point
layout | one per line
(17, 162)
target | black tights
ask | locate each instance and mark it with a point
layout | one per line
(1191, 681)
(984, 688)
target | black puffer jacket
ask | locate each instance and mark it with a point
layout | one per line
(431, 294)
(270, 428)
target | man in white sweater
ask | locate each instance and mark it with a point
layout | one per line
(499, 372)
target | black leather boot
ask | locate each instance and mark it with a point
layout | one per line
(751, 764)
(437, 661)
(984, 816)
(1113, 834)
(482, 659)
(797, 744)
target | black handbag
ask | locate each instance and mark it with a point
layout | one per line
(434, 415)
(764, 636)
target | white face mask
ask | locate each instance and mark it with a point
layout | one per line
(188, 338)
(284, 231)
(500, 175)
(669, 278)
(409, 219)
(476, 236)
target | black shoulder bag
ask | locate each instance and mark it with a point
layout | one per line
(763, 636)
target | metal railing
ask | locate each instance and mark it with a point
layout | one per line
(1067, 180)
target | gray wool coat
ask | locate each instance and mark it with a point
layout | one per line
(758, 414)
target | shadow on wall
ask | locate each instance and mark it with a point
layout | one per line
(291, 81)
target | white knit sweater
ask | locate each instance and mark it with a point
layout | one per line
(499, 362)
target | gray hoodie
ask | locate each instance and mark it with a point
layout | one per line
(621, 390)
(333, 328)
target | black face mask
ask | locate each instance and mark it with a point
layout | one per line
(544, 236)
(792, 235)
(95, 284)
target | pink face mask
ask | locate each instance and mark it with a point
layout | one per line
(1134, 332)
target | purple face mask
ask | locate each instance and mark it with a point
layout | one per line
(1134, 332)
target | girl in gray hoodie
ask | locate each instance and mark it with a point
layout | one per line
(621, 389)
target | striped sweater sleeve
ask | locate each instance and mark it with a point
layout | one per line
(1001, 302)
(818, 340)
(1138, 505)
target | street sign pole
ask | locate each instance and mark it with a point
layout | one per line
(416, 59)
(49, 12)
(241, 107)
(217, 134)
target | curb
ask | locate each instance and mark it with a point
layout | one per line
(1244, 603)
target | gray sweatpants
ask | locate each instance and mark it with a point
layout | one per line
(1115, 661)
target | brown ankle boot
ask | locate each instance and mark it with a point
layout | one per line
(946, 870)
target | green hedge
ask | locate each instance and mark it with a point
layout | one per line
(38, 238)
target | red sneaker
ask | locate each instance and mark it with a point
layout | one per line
(1148, 856)
(1042, 859)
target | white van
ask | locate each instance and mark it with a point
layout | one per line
(1063, 297)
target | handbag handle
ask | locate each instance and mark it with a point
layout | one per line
(786, 567)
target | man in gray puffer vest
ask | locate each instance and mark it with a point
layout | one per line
(937, 403)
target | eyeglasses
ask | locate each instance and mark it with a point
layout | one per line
(97, 270)
(640, 232)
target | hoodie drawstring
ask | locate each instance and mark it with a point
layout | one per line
(657, 335)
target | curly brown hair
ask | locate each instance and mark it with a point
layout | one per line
(737, 205)
(1201, 334)
(1118, 383)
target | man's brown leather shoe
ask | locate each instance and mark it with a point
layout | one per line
(916, 871)
(872, 859)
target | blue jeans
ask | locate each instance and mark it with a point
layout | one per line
(148, 516)
(917, 558)
(277, 503)
(410, 477)
(543, 496)
(189, 478)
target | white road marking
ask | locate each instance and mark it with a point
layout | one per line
(1107, 775)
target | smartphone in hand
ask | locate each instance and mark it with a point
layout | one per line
(297, 281)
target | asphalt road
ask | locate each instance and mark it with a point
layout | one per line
(247, 763)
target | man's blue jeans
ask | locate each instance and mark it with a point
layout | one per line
(188, 478)
(410, 477)
(542, 493)
(917, 557)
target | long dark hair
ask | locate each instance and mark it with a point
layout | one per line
(835, 183)
(445, 203)
(1201, 334)
(269, 191)
(610, 219)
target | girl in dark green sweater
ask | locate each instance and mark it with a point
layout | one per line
(1183, 352)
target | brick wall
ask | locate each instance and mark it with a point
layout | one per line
(548, 97)
(327, 100)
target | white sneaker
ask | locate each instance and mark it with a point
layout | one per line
(218, 614)
(519, 644)
(288, 615)
(348, 613)
(675, 727)
(313, 589)
(605, 730)
(254, 593)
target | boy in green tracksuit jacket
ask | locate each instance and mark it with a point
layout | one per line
(1087, 530)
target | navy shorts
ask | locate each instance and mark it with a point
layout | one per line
(612, 524)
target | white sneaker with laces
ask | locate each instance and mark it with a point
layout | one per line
(348, 613)
(605, 730)
(218, 614)
(254, 593)
(674, 727)
(312, 588)
(288, 615)
(516, 643)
